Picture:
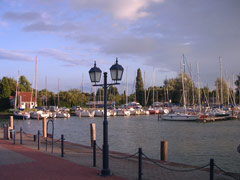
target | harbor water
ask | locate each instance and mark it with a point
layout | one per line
(191, 143)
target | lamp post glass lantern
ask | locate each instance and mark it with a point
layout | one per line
(95, 76)
(116, 71)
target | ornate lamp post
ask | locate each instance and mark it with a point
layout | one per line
(95, 75)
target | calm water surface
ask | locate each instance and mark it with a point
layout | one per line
(188, 142)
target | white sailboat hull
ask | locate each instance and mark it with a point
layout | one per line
(180, 117)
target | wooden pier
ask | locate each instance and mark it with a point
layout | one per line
(213, 119)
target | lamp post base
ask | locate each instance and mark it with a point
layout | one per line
(105, 172)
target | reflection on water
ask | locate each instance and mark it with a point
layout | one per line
(188, 142)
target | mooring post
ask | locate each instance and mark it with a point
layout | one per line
(93, 133)
(139, 163)
(14, 135)
(164, 150)
(21, 135)
(38, 139)
(44, 126)
(62, 145)
(211, 169)
(94, 153)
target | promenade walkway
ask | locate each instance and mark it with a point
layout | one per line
(27, 163)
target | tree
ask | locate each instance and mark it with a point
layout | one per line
(24, 84)
(7, 89)
(237, 83)
(139, 87)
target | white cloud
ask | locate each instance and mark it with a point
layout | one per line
(14, 56)
(62, 56)
(120, 9)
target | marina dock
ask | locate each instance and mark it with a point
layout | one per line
(213, 119)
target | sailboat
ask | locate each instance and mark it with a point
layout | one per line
(181, 116)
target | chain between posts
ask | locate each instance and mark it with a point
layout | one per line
(226, 173)
(170, 169)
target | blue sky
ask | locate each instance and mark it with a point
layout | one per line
(68, 36)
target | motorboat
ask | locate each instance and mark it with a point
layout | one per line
(39, 114)
(179, 117)
(85, 113)
(21, 115)
(62, 114)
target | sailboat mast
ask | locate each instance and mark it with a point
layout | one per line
(199, 92)
(145, 100)
(58, 92)
(193, 102)
(16, 96)
(46, 90)
(82, 90)
(36, 83)
(221, 80)
(184, 100)
(127, 86)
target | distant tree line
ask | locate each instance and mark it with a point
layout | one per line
(171, 91)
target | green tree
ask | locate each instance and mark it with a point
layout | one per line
(7, 89)
(139, 87)
(24, 84)
(237, 83)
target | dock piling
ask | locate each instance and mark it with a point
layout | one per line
(164, 150)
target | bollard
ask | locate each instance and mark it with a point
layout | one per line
(62, 145)
(164, 149)
(34, 137)
(139, 163)
(211, 169)
(14, 135)
(93, 133)
(94, 153)
(11, 122)
(21, 135)
(6, 132)
(38, 140)
(44, 126)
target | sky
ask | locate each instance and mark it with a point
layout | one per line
(67, 36)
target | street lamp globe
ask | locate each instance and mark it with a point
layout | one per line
(116, 71)
(95, 74)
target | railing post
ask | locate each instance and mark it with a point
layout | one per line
(14, 135)
(94, 153)
(34, 137)
(140, 164)
(21, 135)
(211, 169)
(38, 139)
(62, 145)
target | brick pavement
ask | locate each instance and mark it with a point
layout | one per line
(39, 166)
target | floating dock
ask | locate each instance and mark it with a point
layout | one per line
(213, 119)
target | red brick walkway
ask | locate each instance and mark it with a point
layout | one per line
(45, 167)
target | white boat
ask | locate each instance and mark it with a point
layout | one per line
(61, 114)
(100, 113)
(179, 117)
(21, 115)
(85, 113)
(39, 114)
(123, 112)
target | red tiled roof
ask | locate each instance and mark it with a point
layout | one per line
(25, 96)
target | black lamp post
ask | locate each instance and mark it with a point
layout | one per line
(95, 75)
